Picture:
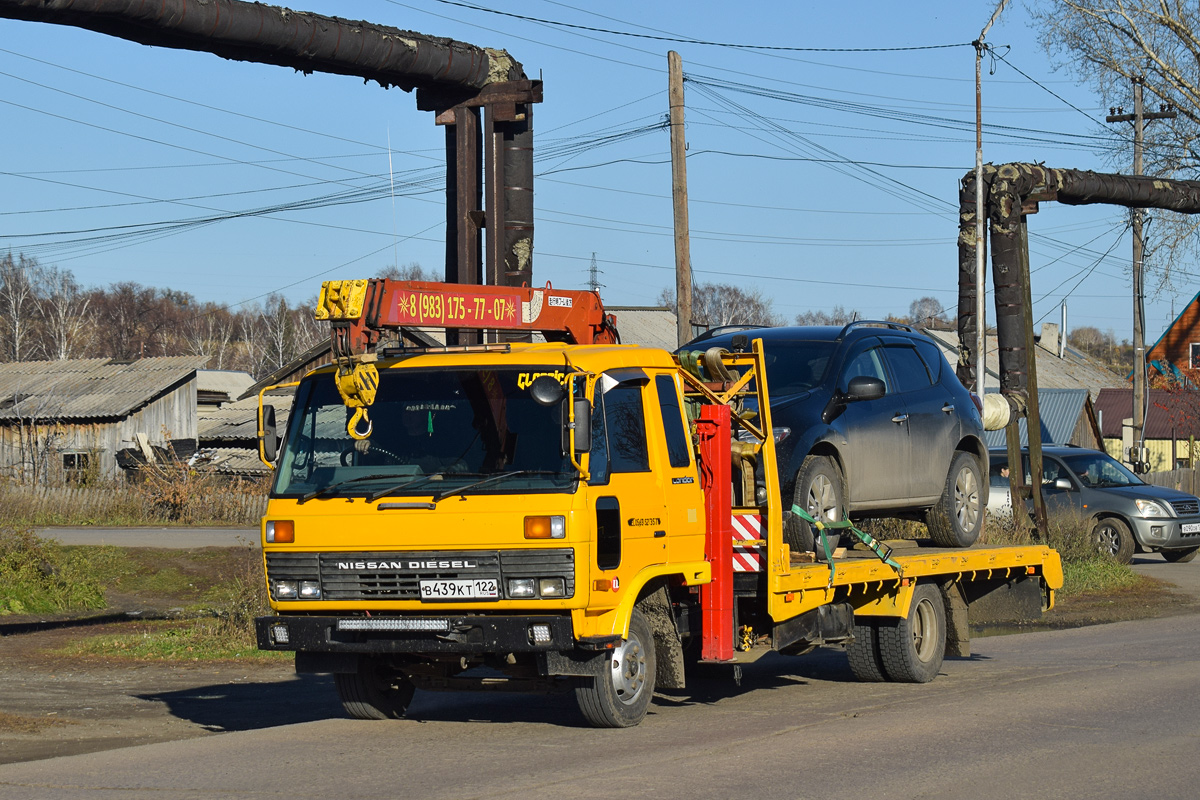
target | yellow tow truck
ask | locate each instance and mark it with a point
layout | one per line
(572, 515)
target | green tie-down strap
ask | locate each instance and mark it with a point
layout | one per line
(877, 547)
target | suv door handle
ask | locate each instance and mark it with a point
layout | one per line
(899, 418)
(948, 408)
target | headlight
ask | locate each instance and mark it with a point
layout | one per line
(1150, 508)
(552, 587)
(285, 590)
(521, 587)
(310, 590)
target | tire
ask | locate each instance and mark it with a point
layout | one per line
(863, 653)
(912, 650)
(374, 692)
(1113, 537)
(1181, 555)
(620, 697)
(958, 516)
(821, 492)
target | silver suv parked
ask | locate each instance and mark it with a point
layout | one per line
(1127, 515)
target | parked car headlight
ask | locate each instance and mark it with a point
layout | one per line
(1150, 508)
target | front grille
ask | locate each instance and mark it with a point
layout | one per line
(1186, 507)
(397, 575)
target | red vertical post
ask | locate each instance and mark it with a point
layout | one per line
(716, 598)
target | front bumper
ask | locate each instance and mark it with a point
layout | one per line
(413, 635)
(1166, 533)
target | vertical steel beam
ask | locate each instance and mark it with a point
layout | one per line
(518, 199)
(1033, 416)
(463, 195)
(716, 598)
(493, 181)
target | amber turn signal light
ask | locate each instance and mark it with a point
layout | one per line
(545, 527)
(280, 531)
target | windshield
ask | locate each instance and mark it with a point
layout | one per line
(435, 432)
(1100, 470)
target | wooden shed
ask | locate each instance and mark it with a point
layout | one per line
(66, 420)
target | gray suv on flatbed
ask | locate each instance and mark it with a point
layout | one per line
(871, 421)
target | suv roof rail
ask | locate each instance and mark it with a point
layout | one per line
(876, 323)
(712, 333)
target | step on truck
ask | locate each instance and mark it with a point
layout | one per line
(570, 515)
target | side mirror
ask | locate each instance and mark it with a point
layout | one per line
(1063, 483)
(268, 439)
(583, 426)
(865, 388)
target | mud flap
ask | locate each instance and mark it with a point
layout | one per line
(668, 645)
(1017, 600)
(829, 624)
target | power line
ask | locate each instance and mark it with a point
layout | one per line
(684, 40)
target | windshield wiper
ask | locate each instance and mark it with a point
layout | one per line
(326, 490)
(371, 498)
(499, 477)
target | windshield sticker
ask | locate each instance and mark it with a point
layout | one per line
(526, 379)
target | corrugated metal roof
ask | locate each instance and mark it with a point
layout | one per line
(1168, 413)
(651, 327)
(94, 388)
(230, 461)
(1059, 410)
(227, 381)
(1073, 371)
(239, 421)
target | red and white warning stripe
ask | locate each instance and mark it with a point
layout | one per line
(747, 558)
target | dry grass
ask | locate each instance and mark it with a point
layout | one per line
(17, 723)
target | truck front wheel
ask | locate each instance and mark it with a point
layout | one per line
(912, 649)
(620, 695)
(375, 691)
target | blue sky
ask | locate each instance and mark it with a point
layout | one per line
(820, 178)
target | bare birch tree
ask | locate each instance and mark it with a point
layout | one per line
(19, 283)
(64, 314)
(716, 304)
(1106, 45)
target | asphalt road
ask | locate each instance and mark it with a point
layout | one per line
(1102, 712)
(178, 538)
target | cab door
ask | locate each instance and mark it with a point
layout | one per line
(624, 493)
(678, 478)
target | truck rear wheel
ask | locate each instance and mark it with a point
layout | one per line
(620, 696)
(376, 691)
(863, 653)
(957, 518)
(912, 650)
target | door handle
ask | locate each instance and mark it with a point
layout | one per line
(899, 418)
(948, 408)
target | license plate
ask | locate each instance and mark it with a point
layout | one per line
(473, 589)
(1193, 527)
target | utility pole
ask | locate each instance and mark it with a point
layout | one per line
(683, 256)
(980, 342)
(1138, 118)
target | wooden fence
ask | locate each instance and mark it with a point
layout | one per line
(80, 504)
(1185, 480)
